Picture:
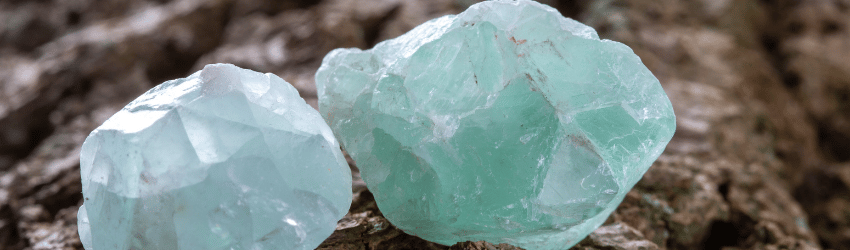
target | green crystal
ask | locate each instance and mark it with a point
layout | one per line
(227, 158)
(507, 123)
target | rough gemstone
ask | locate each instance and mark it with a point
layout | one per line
(507, 123)
(227, 158)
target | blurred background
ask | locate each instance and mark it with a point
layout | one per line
(761, 90)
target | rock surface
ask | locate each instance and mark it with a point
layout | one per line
(506, 123)
(750, 167)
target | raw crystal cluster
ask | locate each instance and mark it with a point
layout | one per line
(227, 158)
(507, 123)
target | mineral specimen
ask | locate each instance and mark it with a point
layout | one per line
(227, 158)
(506, 123)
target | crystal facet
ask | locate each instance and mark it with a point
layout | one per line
(227, 158)
(507, 123)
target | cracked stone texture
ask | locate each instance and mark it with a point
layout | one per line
(760, 88)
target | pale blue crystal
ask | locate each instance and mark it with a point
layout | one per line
(226, 158)
(506, 123)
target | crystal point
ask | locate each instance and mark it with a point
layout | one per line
(507, 123)
(226, 158)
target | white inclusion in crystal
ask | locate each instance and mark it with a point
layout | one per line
(218, 230)
(291, 222)
(299, 230)
(525, 138)
(279, 205)
(444, 126)
(639, 115)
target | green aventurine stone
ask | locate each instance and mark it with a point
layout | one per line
(506, 123)
(227, 158)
